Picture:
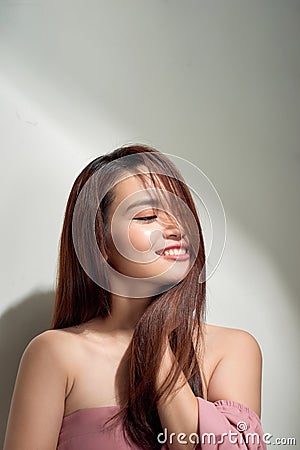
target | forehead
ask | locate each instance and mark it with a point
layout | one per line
(134, 187)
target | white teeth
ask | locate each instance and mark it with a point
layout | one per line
(174, 251)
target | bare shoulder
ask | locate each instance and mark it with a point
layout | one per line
(242, 344)
(55, 338)
(53, 343)
(227, 339)
(60, 344)
(62, 341)
(225, 343)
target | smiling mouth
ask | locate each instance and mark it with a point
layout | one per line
(174, 253)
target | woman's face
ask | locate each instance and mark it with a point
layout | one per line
(138, 233)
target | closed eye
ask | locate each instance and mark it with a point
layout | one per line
(145, 219)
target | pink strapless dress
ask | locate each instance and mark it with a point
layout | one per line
(232, 424)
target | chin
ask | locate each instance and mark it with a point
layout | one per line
(172, 279)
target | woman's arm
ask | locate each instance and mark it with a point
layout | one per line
(237, 377)
(37, 405)
(238, 374)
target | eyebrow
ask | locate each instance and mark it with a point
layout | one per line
(142, 202)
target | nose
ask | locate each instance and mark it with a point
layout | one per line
(171, 229)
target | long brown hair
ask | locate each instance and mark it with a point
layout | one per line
(177, 314)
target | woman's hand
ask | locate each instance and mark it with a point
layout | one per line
(178, 412)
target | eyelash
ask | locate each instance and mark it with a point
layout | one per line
(145, 219)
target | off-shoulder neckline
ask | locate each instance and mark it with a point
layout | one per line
(91, 408)
(236, 404)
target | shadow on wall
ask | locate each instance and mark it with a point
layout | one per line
(18, 326)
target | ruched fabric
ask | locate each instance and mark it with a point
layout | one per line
(223, 425)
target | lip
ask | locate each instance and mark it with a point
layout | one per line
(169, 247)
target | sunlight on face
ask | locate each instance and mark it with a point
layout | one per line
(140, 227)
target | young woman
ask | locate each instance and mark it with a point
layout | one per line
(129, 361)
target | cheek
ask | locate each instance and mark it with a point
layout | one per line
(139, 238)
